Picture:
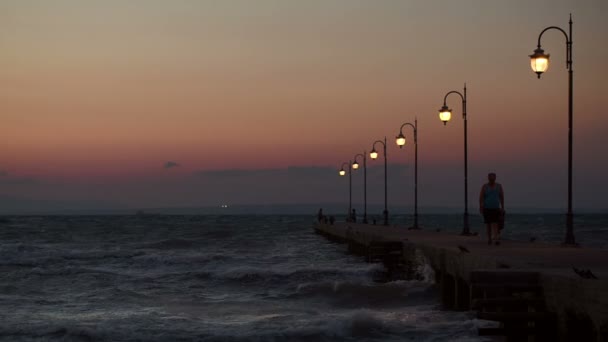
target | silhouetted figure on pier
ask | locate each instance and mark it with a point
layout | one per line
(320, 215)
(492, 206)
(353, 216)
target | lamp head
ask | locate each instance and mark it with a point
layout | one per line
(342, 172)
(400, 140)
(445, 114)
(355, 165)
(373, 154)
(539, 61)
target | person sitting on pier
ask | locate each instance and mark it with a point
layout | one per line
(491, 206)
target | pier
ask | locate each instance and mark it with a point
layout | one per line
(529, 288)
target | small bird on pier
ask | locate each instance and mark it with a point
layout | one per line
(590, 275)
(585, 274)
(532, 239)
(463, 249)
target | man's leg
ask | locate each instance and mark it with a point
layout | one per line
(489, 232)
(495, 236)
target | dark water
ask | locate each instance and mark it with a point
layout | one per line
(213, 278)
(178, 278)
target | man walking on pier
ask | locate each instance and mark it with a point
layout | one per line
(492, 206)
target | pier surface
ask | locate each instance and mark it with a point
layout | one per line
(577, 302)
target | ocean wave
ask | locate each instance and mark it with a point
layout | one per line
(354, 295)
(169, 244)
(46, 333)
(248, 274)
(75, 270)
(101, 254)
(353, 325)
(219, 234)
(154, 260)
(361, 324)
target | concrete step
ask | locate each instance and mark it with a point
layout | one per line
(535, 302)
(503, 276)
(523, 331)
(510, 288)
(515, 316)
(386, 245)
(383, 251)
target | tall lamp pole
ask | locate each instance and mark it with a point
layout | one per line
(445, 114)
(540, 63)
(342, 172)
(374, 155)
(356, 167)
(400, 140)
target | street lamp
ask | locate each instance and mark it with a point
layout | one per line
(400, 140)
(356, 167)
(445, 114)
(342, 172)
(540, 63)
(374, 155)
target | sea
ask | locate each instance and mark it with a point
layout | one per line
(226, 278)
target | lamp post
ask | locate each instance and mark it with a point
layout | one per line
(400, 140)
(445, 114)
(342, 172)
(540, 63)
(374, 155)
(356, 167)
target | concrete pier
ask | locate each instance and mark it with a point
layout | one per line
(466, 267)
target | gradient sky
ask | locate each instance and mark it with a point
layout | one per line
(157, 103)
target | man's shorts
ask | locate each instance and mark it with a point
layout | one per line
(491, 215)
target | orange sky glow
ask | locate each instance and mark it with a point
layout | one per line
(107, 92)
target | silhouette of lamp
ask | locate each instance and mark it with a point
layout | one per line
(355, 167)
(374, 155)
(445, 114)
(342, 172)
(401, 141)
(539, 61)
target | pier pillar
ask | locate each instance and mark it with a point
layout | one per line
(448, 290)
(462, 293)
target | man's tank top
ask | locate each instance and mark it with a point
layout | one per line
(491, 196)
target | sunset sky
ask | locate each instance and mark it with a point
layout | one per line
(188, 103)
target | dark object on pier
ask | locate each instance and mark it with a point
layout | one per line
(585, 274)
(532, 239)
(463, 249)
(502, 265)
(437, 230)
